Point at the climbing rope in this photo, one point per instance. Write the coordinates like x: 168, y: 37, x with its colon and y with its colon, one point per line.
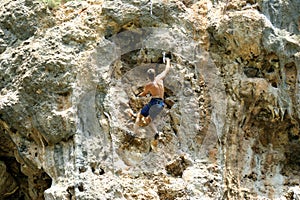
x: 151, y: 6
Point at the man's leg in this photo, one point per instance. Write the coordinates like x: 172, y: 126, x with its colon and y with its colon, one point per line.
x: 153, y: 112
x: 136, y: 124
x: 154, y: 142
x: 152, y: 125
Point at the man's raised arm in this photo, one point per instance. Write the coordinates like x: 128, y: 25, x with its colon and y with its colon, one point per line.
x: 164, y: 73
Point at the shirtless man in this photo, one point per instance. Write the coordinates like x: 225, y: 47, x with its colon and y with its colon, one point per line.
x: 156, y: 104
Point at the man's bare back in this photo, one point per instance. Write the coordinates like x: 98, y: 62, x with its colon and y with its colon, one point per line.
x: 155, y: 88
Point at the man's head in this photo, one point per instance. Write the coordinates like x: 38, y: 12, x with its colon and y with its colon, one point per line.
x: 151, y: 74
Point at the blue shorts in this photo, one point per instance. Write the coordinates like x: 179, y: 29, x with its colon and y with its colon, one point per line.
x: 153, y: 108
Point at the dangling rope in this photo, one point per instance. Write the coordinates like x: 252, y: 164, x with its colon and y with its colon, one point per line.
x: 151, y: 6
x: 111, y: 139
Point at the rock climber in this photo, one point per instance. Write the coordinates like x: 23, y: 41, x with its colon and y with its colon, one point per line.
x: 156, y: 89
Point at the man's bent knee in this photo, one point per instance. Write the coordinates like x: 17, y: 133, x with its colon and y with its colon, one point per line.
x: 144, y: 121
x: 148, y: 120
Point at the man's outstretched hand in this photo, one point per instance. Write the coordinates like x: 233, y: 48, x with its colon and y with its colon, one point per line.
x: 168, y: 60
x: 168, y: 65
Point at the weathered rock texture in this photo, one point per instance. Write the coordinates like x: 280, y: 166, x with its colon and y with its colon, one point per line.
x: 69, y: 79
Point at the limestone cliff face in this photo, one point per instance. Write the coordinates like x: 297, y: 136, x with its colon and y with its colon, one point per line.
x: 69, y: 79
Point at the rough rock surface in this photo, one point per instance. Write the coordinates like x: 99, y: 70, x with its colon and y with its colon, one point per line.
x: 69, y: 77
